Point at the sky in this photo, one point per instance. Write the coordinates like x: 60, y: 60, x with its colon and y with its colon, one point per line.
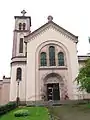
x: 73, y: 15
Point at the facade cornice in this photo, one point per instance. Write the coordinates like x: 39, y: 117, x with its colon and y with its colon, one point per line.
x: 82, y: 58
x: 18, y: 62
x: 22, y: 31
x: 18, y: 57
x: 53, y: 67
x: 5, y: 80
x: 54, y: 26
x: 22, y: 17
x: 67, y: 35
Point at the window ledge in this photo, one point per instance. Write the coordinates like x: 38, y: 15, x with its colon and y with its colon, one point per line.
x: 52, y: 67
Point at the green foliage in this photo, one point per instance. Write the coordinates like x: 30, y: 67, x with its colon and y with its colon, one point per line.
x: 21, y: 113
x: 83, y: 78
x: 36, y: 113
x: 8, y: 107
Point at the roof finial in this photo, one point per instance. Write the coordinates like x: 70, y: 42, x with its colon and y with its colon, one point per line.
x: 50, y: 18
x: 23, y: 12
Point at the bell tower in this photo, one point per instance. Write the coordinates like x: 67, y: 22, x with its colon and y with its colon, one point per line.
x: 19, y: 58
x: 22, y: 28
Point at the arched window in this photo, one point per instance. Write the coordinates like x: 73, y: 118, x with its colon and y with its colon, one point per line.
x: 43, y: 59
x: 24, y: 25
x: 52, y: 56
x: 20, y: 26
x: 21, y: 45
x: 60, y: 59
x: 19, y: 74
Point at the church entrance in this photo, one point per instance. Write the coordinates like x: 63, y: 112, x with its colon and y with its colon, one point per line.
x: 53, y: 92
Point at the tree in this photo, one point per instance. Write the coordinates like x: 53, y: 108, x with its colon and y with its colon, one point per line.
x: 83, y: 78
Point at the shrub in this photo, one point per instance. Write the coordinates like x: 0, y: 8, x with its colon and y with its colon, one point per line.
x: 6, y: 108
x: 21, y: 113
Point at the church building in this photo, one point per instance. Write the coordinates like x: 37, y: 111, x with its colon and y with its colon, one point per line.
x: 44, y: 63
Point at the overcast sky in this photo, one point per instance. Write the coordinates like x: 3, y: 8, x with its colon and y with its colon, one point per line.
x: 73, y: 15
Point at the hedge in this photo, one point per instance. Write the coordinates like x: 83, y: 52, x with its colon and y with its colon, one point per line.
x: 8, y: 107
x: 21, y: 113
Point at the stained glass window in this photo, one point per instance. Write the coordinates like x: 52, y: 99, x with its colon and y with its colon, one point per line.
x: 60, y: 59
x: 43, y: 59
x: 52, y: 56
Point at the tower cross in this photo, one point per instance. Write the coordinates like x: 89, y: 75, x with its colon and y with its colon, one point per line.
x: 23, y: 12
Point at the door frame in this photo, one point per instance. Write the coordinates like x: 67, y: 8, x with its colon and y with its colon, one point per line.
x: 52, y: 87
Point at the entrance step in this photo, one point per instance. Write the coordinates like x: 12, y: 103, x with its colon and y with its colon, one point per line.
x: 55, y: 103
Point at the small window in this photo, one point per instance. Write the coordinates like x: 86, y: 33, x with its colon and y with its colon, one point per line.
x: 21, y: 45
x: 24, y: 25
x: 20, y: 26
x: 43, y: 59
x: 60, y: 59
x: 19, y: 74
x: 52, y: 56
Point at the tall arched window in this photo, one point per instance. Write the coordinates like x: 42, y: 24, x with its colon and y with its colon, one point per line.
x: 24, y: 25
x: 20, y: 26
x: 60, y: 59
x: 21, y: 45
x: 19, y: 74
x: 43, y: 59
x: 52, y: 56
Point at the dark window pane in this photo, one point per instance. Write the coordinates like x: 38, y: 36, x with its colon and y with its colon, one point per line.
x: 43, y: 59
x: 21, y: 45
x: 20, y: 25
x: 60, y: 59
x: 24, y: 25
x: 19, y: 74
x: 52, y: 56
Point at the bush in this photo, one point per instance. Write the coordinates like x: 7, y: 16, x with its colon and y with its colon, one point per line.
x: 6, y: 108
x: 21, y: 113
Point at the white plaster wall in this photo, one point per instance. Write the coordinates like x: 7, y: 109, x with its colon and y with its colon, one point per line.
x: 13, y: 85
x: 30, y: 84
x: 5, y: 92
x: 32, y: 65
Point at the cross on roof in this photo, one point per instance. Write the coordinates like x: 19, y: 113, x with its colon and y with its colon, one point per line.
x: 23, y: 12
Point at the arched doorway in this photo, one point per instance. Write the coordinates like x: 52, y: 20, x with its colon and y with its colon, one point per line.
x: 53, y: 92
x: 53, y: 84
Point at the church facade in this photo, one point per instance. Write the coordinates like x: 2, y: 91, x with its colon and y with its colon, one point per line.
x: 44, y: 63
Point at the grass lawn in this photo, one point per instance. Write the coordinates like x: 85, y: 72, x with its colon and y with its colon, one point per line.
x: 36, y: 113
x: 74, y: 112
x: 64, y: 112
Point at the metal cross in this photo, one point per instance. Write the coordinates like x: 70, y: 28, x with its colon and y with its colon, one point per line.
x: 23, y: 12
